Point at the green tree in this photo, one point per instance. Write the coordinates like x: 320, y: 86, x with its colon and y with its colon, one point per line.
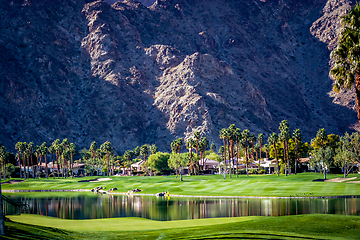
x: 158, y: 161
x: 322, y: 157
x: 178, y: 161
x: 213, y: 156
x: 346, y: 56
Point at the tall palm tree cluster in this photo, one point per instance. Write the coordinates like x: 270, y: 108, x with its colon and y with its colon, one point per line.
x: 199, y: 144
x: 237, y: 143
x: 29, y: 158
x: 98, y: 159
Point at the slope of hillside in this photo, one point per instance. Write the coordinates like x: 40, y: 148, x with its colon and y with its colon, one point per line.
x: 132, y: 74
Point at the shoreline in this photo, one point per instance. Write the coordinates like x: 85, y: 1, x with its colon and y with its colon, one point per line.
x: 188, y: 196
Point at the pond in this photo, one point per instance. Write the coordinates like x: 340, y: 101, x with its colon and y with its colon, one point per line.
x: 91, y: 206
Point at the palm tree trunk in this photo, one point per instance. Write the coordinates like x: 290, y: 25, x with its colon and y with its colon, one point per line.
x: 277, y: 162
x: 357, y: 87
x: 46, y: 167
x: 285, y: 158
x: 2, y: 222
x: 296, y: 158
x: 27, y: 166
x: 228, y: 146
x: 23, y: 158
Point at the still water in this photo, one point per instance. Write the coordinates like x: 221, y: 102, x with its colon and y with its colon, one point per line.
x: 90, y: 206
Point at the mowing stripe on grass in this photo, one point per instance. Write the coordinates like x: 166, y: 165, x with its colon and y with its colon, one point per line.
x: 120, y: 224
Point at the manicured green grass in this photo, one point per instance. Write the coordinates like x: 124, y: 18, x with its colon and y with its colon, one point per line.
x: 210, y: 185
x: 286, y: 227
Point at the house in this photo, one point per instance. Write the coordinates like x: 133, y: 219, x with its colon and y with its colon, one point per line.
x: 209, y: 164
x: 268, y: 165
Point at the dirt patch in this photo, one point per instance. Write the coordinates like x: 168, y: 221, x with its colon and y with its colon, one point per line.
x: 101, y: 180
x: 340, y: 179
x: 96, y: 180
x: 12, y: 182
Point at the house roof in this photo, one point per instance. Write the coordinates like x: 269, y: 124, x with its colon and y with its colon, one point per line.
x: 208, y: 162
x: 137, y: 164
x: 304, y: 160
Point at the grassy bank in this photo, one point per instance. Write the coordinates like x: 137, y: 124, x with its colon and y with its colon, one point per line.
x: 214, y: 185
x: 287, y: 227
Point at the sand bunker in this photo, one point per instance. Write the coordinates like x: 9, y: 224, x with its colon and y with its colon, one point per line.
x: 340, y: 179
x: 101, y: 180
x: 12, y: 182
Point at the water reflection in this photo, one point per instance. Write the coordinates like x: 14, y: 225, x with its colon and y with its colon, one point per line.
x: 109, y: 206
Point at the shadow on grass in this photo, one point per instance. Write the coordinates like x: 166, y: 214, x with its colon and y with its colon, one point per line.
x: 252, y: 236
x: 15, y: 230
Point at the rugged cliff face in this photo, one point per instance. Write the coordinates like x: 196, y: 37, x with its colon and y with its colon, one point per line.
x: 131, y: 74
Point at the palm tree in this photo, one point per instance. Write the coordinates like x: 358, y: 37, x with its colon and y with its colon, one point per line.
x: 245, y: 135
x: 29, y: 149
x: 3, y: 159
x: 298, y: 138
x: 38, y: 159
x: 179, y: 144
x: 266, y: 148
x: 204, y: 144
x: 72, y: 150
x: 44, y: 151
x: 190, y: 144
x: 2, y: 222
x: 237, y: 136
x: 260, y: 139
x: 285, y: 136
x: 153, y: 149
x: 222, y: 136
x: 57, y: 148
x: 213, y: 147
x: 272, y: 140
x: 108, y: 150
x: 197, y: 138
x: 23, y: 147
x: 65, y: 156
x: 321, y: 135
x: 52, y: 151
x: 346, y: 56
x: 18, y: 147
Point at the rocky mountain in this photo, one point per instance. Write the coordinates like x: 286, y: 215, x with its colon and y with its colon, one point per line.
x: 150, y: 72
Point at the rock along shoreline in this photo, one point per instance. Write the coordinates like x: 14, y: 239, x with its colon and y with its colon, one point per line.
x: 189, y: 196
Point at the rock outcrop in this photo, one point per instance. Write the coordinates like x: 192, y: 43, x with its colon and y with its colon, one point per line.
x: 148, y: 72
